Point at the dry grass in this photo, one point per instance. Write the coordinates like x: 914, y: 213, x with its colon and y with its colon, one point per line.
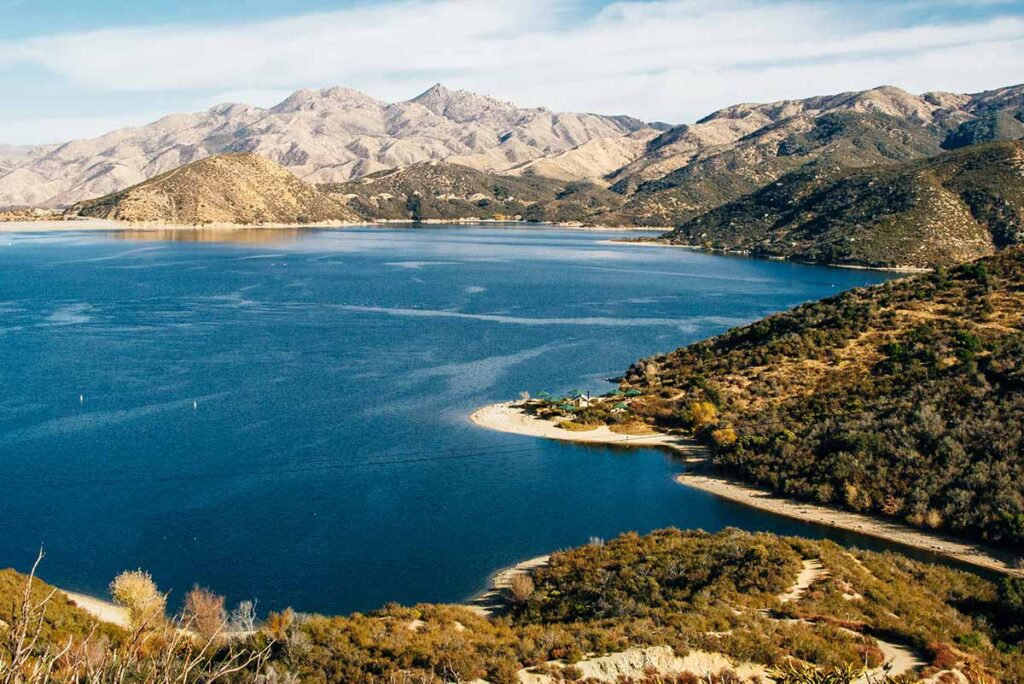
x: 573, y: 426
x: 632, y: 427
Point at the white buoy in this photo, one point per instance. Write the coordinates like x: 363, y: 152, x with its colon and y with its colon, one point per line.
x: 195, y: 405
x: 81, y: 398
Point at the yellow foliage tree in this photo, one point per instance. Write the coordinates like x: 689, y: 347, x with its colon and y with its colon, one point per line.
x: 701, y: 414
x: 136, y: 592
x: 724, y: 437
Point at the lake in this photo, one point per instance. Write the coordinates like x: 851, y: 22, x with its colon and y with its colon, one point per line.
x: 283, y: 415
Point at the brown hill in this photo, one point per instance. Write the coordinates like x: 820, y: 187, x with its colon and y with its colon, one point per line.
x: 230, y: 188
x: 905, y: 399
x: 942, y: 210
x: 440, y: 190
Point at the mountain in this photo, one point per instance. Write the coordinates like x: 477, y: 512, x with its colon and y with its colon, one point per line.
x: 12, y: 156
x: 734, y: 151
x: 230, y: 188
x: 1000, y: 125
x: 669, y: 178
x: 326, y: 135
x: 943, y: 210
x: 442, y: 190
x: 590, y: 161
x: 904, y: 399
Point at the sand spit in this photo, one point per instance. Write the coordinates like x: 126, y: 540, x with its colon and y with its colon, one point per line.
x: 506, y: 418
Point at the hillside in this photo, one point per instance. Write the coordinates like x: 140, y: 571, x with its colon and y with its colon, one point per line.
x: 734, y: 151
x: 591, y: 161
x: 944, y: 210
x: 442, y: 190
x: 680, y: 606
x: 329, y: 135
x: 902, y: 400
x: 232, y: 188
x: 1000, y: 125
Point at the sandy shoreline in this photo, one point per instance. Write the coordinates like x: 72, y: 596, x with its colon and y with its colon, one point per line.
x: 492, y: 602
x: 102, y: 610
x: 504, y: 418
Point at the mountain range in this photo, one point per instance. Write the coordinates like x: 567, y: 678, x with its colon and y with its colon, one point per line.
x: 797, y: 179
x: 327, y: 135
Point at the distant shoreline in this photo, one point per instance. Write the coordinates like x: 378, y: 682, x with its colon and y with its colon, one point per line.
x: 98, y: 225
x: 504, y: 417
x: 743, y: 253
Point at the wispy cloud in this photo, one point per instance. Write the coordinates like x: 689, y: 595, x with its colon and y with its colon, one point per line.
x: 670, y: 59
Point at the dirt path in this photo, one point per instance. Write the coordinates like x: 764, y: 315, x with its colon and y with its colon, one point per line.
x: 900, y: 658
x: 812, y: 572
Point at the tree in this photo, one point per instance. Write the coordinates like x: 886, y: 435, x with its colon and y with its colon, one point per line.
x: 1011, y: 594
x: 136, y: 592
x: 204, y: 612
x: 701, y: 414
x: 521, y: 587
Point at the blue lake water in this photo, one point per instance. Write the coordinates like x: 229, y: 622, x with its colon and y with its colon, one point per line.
x: 283, y: 416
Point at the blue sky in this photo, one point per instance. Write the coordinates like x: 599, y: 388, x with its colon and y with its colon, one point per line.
x: 81, y: 67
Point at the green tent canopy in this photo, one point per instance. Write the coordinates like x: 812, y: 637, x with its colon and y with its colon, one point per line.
x: 633, y: 393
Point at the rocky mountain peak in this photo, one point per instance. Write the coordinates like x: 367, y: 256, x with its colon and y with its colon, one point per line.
x: 308, y: 99
x: 461, y: 105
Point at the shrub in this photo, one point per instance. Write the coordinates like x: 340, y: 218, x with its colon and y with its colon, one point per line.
x: 701, y: 414
x: 573, y: 426
x: 724, y: 437
x: 204, y: 613
x: 136, y: 592
x: 521, y: 587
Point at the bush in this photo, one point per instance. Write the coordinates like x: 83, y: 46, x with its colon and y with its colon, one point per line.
x: 204, y: 613
x: 136, y: 592
x: 521, y: 587
x: 701, y: 414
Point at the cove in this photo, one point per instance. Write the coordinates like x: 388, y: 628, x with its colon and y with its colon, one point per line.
x: 283, y: 415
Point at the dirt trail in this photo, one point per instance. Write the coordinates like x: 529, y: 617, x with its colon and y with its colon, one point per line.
x: 900, y: 658
x: 812, y: 572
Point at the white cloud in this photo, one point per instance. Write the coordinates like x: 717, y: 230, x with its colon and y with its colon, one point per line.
x: 673, y: 60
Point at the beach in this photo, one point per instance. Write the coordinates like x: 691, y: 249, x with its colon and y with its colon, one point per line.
x: 505, y: 417
x: 102, y: 610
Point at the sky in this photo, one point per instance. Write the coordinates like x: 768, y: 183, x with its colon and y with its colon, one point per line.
x: 78, y: 68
